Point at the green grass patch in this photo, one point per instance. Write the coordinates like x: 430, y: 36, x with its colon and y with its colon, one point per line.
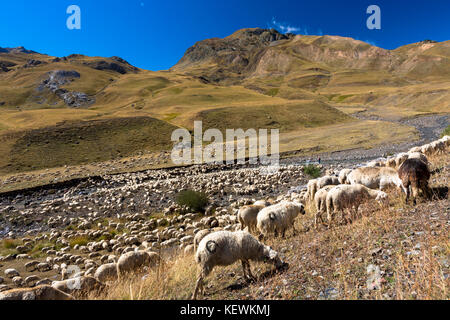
x: 171, y: 116
x: 8, y: 246
x: 196, y: 201
x: 81, y: 241
x: 312, y: 170
x: 272, y: 92
x: 343, y: 97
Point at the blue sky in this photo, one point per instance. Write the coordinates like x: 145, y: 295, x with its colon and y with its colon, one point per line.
x: 155, y: 34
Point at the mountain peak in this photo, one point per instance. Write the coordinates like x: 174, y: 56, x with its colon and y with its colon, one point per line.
x: 16, y: 50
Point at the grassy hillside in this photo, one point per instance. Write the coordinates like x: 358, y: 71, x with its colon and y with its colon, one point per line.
x: 83, y: 142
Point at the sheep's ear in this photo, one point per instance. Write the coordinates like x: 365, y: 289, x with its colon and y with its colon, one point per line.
x: 211, y: 246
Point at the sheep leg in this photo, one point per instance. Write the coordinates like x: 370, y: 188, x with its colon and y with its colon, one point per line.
x: 330, y: 218
x: 244, y: 268
x: 295, y: 230
x: 315, y: 220
x: 348, y: 219
x: 427, y: 191
x: 197, y: 287
x: 415, y: 192
x: 249, y: 272
x: 408, y: 193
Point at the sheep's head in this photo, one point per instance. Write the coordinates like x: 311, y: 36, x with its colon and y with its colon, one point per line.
x: 301, y: 207
x: 271, y: 256
x: 382, y: 197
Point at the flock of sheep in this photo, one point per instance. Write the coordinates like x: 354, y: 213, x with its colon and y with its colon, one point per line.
x: 331, y: 194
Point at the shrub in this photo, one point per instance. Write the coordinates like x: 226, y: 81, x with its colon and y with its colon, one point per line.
x: 312, y: 170
x: 10, y: 243
x: 81, y: 241
x: 196, y: 201
x: 446, y: 132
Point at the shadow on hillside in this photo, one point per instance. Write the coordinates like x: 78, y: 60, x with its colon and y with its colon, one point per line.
x: 261, y: 277
x: 439, y: 193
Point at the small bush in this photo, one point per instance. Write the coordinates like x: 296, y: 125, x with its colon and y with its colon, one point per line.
x: 272, y: 92
x: 196, y: 201
x: 81, y: 241
x: 10, y: 243
x: 446, y: 132
x: 312, y: 170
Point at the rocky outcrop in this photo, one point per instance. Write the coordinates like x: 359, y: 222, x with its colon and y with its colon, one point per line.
x: 16, y: 50
x: 33, y: 63
x: 235, y: 56
x: 57, y: 78
x: 5, y: 65
x: 117, y: 64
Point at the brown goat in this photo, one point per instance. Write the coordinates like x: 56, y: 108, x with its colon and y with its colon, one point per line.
x: 415, y: 173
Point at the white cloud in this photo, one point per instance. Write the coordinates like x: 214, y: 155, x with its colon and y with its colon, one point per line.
x: 287, y: 28
x: 283, y: 27
x: 372, y: 43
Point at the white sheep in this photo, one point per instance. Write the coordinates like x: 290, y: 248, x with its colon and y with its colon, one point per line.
x: 347, y: 196
x: 247, y: 216
x: 375, y: 178
x: 376, y: 163
x: 390, y: 162
x: 199, y: 236
x: 427, y: 149
x: 445, y: 140
x: 327, y: 181
x: 106, y: 272
x: 343, y: 175
x: 320, y: 200
x: 224, y: 248
x: 263, y: 203
x: 415, y: 149
x: 43, y: 292
x: 438, y: 146
x: 311, y: 189
x: 134, y: 261
x: 279, y: 217
x: 79, y: 285
x: 400, y: 158
x: 418, y: 155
